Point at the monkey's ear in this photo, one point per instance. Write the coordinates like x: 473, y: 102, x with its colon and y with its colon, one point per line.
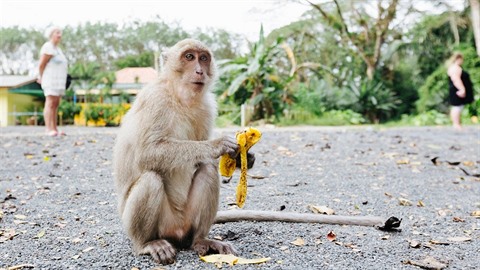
x: 164, y: 55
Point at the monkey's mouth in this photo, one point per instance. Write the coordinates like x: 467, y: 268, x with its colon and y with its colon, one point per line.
x: 199, y: 83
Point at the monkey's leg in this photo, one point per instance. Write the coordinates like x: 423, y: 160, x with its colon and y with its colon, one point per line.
x: 145, y: 206
x: 202, y: 208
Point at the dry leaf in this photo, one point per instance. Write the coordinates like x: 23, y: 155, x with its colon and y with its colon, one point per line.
x: 1, y: 214
x: 459, y: 239
x: 468, y: 163
x: 28, y: 156
x: 403, y: 161
x: 40, y: 234
x: 76, y: 240
x: 46, y: 158
x: 87, y: 249
x: 428, y: 263
x: 404, y: 202
x: 22, y: 217
x: 20, y: 266
x: 457, y: 219
x: 415, y: 244
x: 298, y: 242
x: 385, y: 237
x: 437, y: 242
x: 321, y: 209
x: 331, y: 236
x: 475, y: 214
x: 219, y: 259
x: 420, y: 204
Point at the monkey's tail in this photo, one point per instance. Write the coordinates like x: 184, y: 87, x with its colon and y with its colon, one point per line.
x: 252, y: 215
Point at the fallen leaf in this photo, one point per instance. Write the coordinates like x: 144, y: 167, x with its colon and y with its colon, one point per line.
x: 420, y: 204
x: 385, y: 237
x: 331, y: 236
x: 22, y: 217
x: 1, y: 214
x: 428, y: 263
x: 438, y: 242
x: 468, y: 163
x: 76, y: 240
x: 414, y: 244
x: 457, y: 219
x: 404, y: 202
x: 46, y: 158
x: 40, y: 234
x: 87, y: 249
x: 403, y: 162
x: 219, y: 259
x: 321, y: 209
x: 21, y: 266
x: 459, y: 239
x: 298, y: 242
x: 388, y: 195
x: 475, y: 214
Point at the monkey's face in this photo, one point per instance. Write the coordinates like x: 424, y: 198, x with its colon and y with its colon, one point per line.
x: 196, y: 73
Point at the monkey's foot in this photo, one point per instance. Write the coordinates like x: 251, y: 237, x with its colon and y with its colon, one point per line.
x: 202, y: 247
x: 161, y: 251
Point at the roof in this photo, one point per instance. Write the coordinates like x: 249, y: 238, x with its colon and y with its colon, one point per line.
x: 140, y: 75
x: 14, y: 81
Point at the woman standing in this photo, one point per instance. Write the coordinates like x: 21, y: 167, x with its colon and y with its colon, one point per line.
x: 52, y: 72
x: 460, y: 89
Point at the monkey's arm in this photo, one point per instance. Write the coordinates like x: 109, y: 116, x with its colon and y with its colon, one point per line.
x: 171, y: 153
x: 251, y: 215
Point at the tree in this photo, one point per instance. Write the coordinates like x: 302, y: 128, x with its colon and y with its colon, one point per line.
x: 475, y: 13
x: 254, y: 78
x: 372, y: 32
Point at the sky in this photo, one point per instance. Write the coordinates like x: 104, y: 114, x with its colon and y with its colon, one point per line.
x: 237, y: 16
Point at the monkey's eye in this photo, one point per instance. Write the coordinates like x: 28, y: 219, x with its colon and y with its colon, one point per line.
x: 189, y: 56
x: 203, y: 58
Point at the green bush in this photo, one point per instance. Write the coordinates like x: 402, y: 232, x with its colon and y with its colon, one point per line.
x: 68, y: 110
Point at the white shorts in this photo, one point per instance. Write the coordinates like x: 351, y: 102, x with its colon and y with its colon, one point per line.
x: 458, y: 108
x: 54, y: 92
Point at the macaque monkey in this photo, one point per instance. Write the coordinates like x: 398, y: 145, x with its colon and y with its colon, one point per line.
x: 165, y: 163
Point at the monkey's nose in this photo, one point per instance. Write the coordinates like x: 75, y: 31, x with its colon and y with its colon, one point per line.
x: 199, y: 72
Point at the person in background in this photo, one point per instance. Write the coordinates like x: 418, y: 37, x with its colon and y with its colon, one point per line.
x: 52, y: 76
x: 460, y: 88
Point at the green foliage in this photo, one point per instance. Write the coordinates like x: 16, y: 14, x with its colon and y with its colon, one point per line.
x: 68, y: 110
x: 373, y: 99
x: 110, y: 113
x: 145, y: 59
x: 428, y: 118
x: 300, y: 116
x: 254, y: 79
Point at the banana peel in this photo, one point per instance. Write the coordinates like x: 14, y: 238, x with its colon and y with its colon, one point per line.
x: 227, y: 165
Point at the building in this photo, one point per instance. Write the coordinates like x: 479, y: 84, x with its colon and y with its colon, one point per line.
x: 21, y: 97
x: 128, y: 81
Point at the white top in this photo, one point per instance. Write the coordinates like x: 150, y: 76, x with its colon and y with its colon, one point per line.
x: 54, y: 76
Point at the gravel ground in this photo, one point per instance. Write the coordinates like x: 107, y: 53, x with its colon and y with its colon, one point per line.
x: 58, y: 204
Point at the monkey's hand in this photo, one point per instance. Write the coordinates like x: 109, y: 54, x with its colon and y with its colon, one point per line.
x: 225, y: 146
x: 250, y: 160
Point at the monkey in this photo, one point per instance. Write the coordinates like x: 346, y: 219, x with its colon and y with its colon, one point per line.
x: 165, y: 162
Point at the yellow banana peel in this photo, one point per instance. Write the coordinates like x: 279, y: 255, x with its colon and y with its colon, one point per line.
x: 245, y: 140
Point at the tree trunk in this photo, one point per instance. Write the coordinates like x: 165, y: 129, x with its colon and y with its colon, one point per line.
x: 475, y: 9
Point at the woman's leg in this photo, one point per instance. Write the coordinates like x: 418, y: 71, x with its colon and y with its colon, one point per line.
x: 455, y: 115
x: 50, y: 114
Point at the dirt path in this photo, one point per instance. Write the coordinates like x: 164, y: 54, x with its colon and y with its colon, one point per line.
x: 58, y: 205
